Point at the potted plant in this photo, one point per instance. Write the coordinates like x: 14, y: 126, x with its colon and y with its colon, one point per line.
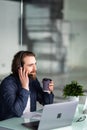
x: 73, y: 89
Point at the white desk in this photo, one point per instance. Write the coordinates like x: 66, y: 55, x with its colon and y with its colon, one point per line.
x: 15, y: 124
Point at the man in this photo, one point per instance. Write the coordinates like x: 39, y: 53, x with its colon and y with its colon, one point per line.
x: 20, y: 91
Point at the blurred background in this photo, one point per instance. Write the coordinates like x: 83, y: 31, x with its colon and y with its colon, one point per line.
x: 55, y: 30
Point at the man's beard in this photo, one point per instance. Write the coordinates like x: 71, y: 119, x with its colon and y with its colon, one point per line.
x: 32, y: 75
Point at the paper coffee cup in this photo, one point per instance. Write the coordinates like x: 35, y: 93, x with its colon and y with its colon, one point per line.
x: 46, y: 82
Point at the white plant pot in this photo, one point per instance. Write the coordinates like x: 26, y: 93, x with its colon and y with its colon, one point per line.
x: 72, y: 98
x: 82, y: 99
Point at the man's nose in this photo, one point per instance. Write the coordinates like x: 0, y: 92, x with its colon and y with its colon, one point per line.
x: 34, y: 67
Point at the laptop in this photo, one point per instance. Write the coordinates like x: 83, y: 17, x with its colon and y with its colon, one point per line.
x: 54, y: 116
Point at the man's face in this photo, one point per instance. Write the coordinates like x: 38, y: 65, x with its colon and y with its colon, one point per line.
x: 30, y: 66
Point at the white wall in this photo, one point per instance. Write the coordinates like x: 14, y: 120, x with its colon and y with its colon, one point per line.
x: 78, y: 44
x: 75, y: 11
x: 9, y: 14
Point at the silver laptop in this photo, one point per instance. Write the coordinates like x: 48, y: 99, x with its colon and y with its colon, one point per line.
x: 55, y: 116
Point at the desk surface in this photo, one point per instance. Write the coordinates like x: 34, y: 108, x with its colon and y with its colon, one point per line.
x: 15, y: 124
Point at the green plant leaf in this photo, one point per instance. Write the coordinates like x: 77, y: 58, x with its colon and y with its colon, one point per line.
x: 73, y: 89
